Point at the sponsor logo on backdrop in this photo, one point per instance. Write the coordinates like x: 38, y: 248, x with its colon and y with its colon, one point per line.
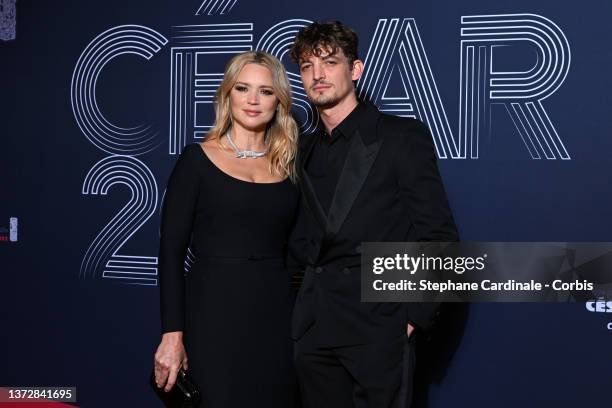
x: 9, y: 234
x: 398, y: 78
x: 600, y: 306
x: 8, y: 19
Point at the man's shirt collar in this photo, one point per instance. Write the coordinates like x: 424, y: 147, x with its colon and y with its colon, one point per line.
x: 346, y: 128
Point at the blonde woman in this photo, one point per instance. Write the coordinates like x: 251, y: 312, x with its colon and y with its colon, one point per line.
x: 233, y: 199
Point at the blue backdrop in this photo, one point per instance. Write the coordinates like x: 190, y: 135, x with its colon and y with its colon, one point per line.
x: 98, y: 98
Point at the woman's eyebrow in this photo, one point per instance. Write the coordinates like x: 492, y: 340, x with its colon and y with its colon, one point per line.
x: 248, y: 84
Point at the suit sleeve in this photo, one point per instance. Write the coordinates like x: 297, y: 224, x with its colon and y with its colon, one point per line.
x: 178, y: 212
x: 422, y: 194
x: 297, y: 242
x: 421, y: 189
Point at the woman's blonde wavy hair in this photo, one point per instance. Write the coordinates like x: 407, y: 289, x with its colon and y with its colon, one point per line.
x: 282, y: 131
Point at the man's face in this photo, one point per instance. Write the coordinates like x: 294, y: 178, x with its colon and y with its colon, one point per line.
x: 328, y: 78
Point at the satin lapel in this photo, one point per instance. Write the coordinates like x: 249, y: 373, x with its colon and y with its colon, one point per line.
x: 312, y: 202
x: 359, y: 160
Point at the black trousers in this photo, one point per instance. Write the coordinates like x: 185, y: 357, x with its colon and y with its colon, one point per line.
x: 375, y: 375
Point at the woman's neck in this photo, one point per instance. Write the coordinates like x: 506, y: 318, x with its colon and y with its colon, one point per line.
x: 247, y: 139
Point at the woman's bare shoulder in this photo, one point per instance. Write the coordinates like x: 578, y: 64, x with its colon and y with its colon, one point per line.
x: 211, y: 144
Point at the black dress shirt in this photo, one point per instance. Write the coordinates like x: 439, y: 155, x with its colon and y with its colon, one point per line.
x: 329, y: 154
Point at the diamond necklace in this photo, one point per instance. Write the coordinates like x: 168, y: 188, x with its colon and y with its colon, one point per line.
x: 243, y: 154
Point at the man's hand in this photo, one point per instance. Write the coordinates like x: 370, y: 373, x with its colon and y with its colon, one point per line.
x: 409, y: 329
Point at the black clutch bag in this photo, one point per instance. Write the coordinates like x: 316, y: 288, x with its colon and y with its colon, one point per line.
x: 184, y: 394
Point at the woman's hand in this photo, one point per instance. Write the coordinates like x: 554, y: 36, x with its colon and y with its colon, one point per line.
x: 169, y: 358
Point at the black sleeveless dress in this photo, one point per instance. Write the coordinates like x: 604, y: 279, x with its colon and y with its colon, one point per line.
x: 235, y: 303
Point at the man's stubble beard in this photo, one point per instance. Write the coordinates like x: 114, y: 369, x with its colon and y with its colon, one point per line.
x: 323, y: 102
x: 326, y: 102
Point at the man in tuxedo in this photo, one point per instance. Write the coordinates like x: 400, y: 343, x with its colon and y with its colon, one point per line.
x: 365, y: 177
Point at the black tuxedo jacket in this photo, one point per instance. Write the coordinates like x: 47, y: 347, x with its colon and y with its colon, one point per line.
x: 388, y: 191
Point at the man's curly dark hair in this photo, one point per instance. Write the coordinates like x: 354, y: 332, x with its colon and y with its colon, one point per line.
x: 322, y: 37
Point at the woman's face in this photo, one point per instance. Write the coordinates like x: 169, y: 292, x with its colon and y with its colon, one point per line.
x: 252, y: 99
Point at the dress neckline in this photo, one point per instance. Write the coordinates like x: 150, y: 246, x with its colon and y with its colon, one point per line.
x: 201, y: 149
